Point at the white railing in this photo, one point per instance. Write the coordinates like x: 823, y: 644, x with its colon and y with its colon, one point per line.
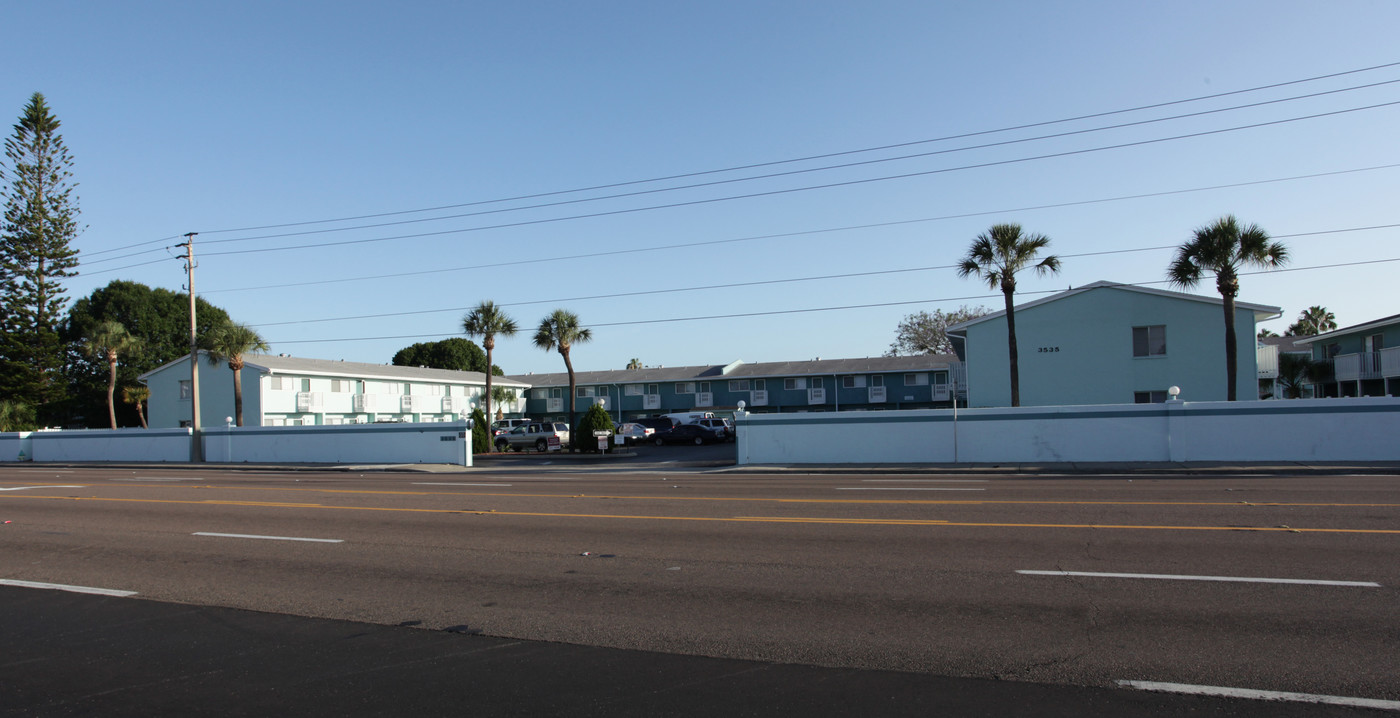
x: 409, y: 402
x: 651, y: 401
x: 704, y: 398
x: 758, y: 397
x: 941, y: 392
x: 1267, y: 359
x: 1390, y: 361
x: 816, y: 396
x: 309, y: 400
x: 554, y: 404
x: 449, y: 404
x: 365, y: 403
x: 877, y: 395
x: 1354, y: 367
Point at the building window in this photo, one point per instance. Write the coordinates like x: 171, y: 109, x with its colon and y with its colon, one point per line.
x: 277, y: 384
x: 738, y: 384
x: 704, y: 387
x: 602, y: 391
x: 853, y: 382
x: 306, y: 385
x: 794, y: 384
x: 920, y: 379
x: 340, y: 386
x: 877, y: 380
x: 1149, y: 397
x: 1150, y: 341
x: 583, y: 392
x: 816, y: 382
x: 633, y: 390
x: 685, y: 388
x: 653, y: 389
x: 759, y: 385
x: 185, y: 389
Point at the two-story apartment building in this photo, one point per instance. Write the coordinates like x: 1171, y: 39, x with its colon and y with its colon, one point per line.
x: 1108, y: 343
x: 1360, y: 360
x: 280, y: 390
x: 868, y: 384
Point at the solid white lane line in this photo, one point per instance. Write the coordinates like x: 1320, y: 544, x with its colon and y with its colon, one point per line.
x: 1261, y: 695
x: 432, y: 483
x: 902, y: 488
x: 70, y: 589
x: 1172, y: 577
x: 52, y: 486
x: 154, y: 478
x: 927, y: 481
x: 269, y: 538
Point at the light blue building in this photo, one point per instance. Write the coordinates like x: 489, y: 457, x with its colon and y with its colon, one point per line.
x: 869, y: 384
x: 1360, y: 360
x: 1107, y: 343
x: 296, y: 391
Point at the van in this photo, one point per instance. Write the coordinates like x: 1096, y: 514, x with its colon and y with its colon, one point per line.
x: 689, y: 417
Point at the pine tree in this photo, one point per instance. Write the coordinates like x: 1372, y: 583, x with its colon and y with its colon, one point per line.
x: 41, y: 218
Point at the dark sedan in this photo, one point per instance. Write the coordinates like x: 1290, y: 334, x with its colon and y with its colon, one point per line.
x: 685, y: 434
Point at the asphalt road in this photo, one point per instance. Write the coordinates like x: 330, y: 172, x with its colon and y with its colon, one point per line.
x: 1067, y: 581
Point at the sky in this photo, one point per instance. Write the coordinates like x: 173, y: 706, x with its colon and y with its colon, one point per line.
x: 705, y: 182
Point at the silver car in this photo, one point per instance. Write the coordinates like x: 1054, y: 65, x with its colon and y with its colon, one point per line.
x: 535, y: 435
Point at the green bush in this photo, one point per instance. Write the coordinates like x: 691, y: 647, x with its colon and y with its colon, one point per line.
x: 595, y: 419
x: 481, y: 433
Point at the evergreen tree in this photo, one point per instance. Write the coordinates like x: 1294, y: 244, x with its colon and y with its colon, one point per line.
x: 41, y: 218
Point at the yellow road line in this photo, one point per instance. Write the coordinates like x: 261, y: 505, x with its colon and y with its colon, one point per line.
x: 920, y: 502
x: 733, y: 519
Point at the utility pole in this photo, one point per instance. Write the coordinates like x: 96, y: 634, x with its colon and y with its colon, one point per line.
x: 196, y: 440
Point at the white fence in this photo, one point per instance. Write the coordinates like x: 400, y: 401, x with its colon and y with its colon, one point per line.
x: 1356, y: 429
x: 437, y: 443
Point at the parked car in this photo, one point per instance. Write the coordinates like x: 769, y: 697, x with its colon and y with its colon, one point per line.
x: 723, y: 428
x: 659, y: 423
x: 633, y: 433
x: 505, y: 425
x: 685, y: 434
x: 534, y: 435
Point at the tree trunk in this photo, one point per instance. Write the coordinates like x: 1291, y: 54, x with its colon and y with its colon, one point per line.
x: 1231, y: 360
x: 112, y: 389
x: 1011, y: 353
x: 238, y: 397
x: 141, y: 414
x: 490, y: 343
x: 570, y: 366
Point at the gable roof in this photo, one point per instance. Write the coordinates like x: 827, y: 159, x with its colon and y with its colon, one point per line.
x: 1287, y: 344
x: 1377, y: 324
x: 278, y: 364
x: 745, y: 370
x: 1261, y: 311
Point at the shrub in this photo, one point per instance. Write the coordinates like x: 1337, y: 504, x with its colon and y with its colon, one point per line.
x: 595, y: 419
x: 481, y: 433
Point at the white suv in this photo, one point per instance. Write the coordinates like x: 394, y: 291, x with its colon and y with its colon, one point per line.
x: 721, y: 427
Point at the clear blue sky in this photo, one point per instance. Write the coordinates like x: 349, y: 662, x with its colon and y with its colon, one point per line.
x: 219, y: 116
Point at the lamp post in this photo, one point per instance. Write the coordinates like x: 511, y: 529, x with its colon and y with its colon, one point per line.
x: 954, y: 376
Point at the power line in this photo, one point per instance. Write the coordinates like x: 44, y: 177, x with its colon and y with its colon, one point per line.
x: 131, y: 246
x: 818, y: 156
x: 800, y: 233
x: 809, y: 170
x: 874, y: 305
x: 812, y: 187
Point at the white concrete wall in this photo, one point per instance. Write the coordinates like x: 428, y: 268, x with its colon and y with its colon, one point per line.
x: 1361, y: 429
x: 16, y: 446
x: 112, y: 445
x: 435, y: 443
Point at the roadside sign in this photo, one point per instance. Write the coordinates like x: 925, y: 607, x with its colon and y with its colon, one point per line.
x: 554, y: 444
x: 603, y: 443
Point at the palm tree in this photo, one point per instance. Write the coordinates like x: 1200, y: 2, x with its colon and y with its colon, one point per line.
x: 1223, y: 248
x: 106, y: 341
x: 16, y: 416
x: 561, y: 331
x: 1313, y: 321
x: 502, y: 395
x: 137, y: 395
x: 634, y: 364
x: 229, y: 343
x: 996, y: 256
x: 1295, y: 372
x: 486, y: 321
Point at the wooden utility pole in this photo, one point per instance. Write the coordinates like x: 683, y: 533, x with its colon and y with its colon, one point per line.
x: 196, y: 439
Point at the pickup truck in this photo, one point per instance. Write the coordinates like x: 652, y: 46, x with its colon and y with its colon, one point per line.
x: 534, y: 435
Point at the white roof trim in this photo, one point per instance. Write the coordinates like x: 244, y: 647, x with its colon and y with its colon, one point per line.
x: 1261, y: 311
x: 1386, y: 321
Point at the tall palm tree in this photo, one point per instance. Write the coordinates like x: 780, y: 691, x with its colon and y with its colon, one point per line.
x: 1312, y: 321
x: 1223, y: 248
x: 561, y: 331
x: 107, y: 341
x: 634, y: 364
x: 229, y: 342
x: 486, y: 321
x: 996, y: 256
x: 137, y: 395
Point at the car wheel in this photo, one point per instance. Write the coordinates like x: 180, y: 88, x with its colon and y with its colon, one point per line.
x: 699, y: 440
x: 541, y: 445
x: 502, y: 446
x: 660, y: 442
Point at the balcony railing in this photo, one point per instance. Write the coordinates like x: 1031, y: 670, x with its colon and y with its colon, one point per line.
x: 758, y: 397
x: 704, y: 398
x: 877, y: 395
x: 816, y: 396
x: 651, y: 401
x: 1390, y: 361
x: 554, y: 404
x: 1267, y: 359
